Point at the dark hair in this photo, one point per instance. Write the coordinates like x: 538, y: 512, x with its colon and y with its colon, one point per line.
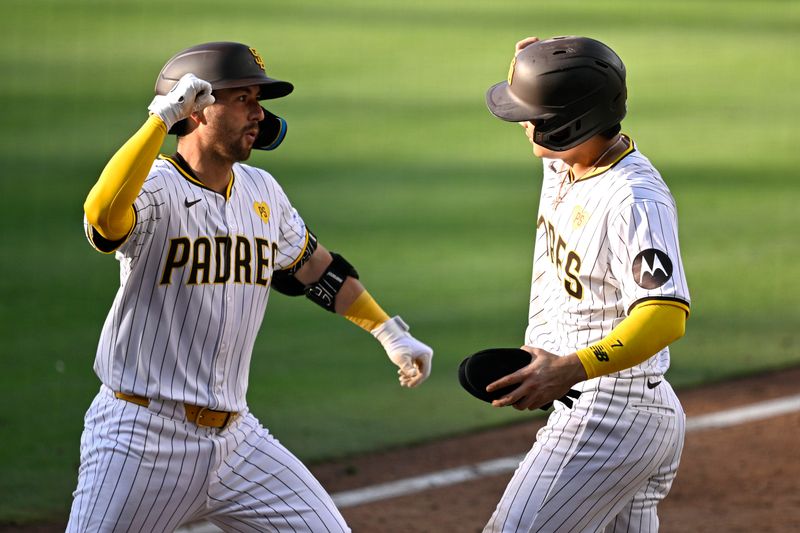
x: 612, y: 131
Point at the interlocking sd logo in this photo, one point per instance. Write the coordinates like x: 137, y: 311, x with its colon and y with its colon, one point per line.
x: 651, y: 268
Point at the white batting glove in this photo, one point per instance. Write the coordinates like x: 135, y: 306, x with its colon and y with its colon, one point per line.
x: 190, y: 94
x: 412, y: 356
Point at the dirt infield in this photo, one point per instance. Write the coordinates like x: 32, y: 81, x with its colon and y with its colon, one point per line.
x: 742, y: 478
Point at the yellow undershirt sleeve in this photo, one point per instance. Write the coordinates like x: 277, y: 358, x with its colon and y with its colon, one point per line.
x: 650, y: 327
x: 365, y: 312
x: 109, y: 206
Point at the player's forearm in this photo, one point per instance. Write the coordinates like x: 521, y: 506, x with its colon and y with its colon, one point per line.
x: 109, y: 206
x: 363, y: 310
x: 352, y: 300
x: 648, y: 329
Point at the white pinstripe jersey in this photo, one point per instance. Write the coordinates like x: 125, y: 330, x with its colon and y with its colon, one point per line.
x: 195, y: 273
x: 609, y: 243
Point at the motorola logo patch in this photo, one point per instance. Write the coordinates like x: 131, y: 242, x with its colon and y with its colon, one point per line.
x: 651, y: 268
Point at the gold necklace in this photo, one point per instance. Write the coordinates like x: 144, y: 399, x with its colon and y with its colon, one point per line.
x: 559, y: 195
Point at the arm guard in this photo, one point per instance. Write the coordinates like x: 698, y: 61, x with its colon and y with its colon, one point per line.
x: 323, y: 292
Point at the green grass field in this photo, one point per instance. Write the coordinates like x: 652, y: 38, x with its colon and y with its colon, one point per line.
x: 393, y: 159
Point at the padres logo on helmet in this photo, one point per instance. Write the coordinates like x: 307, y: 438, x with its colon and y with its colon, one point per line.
x: 257, y: 57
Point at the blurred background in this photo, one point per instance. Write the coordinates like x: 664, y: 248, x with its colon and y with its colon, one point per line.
x: 393, y: 160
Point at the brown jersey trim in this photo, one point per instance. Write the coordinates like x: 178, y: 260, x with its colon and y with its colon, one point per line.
x: 664, y: 300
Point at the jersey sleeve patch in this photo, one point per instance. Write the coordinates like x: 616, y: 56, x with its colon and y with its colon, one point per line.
x: 651, y: 268
x: 645, y: 253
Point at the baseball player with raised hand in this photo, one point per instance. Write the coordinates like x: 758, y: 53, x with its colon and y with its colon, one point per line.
x: 201, y: 238
x: 608, y: 295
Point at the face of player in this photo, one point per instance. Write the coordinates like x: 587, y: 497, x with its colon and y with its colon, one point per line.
x: 232, y: 122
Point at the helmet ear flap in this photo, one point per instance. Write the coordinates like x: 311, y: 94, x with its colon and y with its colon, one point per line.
x: 179, y: 128
x: 271, y: 132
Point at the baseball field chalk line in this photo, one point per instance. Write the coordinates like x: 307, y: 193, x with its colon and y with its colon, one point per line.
x: 452, y: 476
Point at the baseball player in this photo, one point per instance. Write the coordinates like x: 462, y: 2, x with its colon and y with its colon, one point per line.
x: 201, y: 238
x: 608, y: 295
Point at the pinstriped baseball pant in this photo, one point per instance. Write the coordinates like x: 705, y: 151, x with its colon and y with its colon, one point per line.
x: 602, y: 465
x: 147, y: 469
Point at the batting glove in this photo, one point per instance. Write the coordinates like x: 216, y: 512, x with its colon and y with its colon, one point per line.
x: 190, y: 94
x: 410, y: 355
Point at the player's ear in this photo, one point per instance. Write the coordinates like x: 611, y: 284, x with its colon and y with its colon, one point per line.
x: 197, y: 118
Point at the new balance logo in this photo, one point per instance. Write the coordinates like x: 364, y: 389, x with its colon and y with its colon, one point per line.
x: 600, y: 353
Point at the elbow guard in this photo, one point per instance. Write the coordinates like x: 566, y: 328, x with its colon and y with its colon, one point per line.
x: 324, y: 291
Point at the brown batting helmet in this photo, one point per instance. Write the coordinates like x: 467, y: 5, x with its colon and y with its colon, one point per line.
x: 226, y: 65
x: 571, y: 88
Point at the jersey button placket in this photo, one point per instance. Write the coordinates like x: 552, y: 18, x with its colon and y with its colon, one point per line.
x: 229, y: 315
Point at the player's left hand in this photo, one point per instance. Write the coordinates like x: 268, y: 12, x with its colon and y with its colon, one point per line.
x: 545, y: 379
x: 411, y: 356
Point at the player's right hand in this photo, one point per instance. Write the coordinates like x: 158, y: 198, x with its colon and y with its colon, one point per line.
x: 523, y: 43
x: 189, y: 95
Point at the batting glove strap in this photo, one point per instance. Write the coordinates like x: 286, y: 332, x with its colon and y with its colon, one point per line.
x: 190, y: 94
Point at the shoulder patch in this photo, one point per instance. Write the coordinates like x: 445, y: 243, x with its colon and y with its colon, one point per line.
x: 651, y: 268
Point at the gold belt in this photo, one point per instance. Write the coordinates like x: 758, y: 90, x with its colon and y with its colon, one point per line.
x: 202, y: 416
